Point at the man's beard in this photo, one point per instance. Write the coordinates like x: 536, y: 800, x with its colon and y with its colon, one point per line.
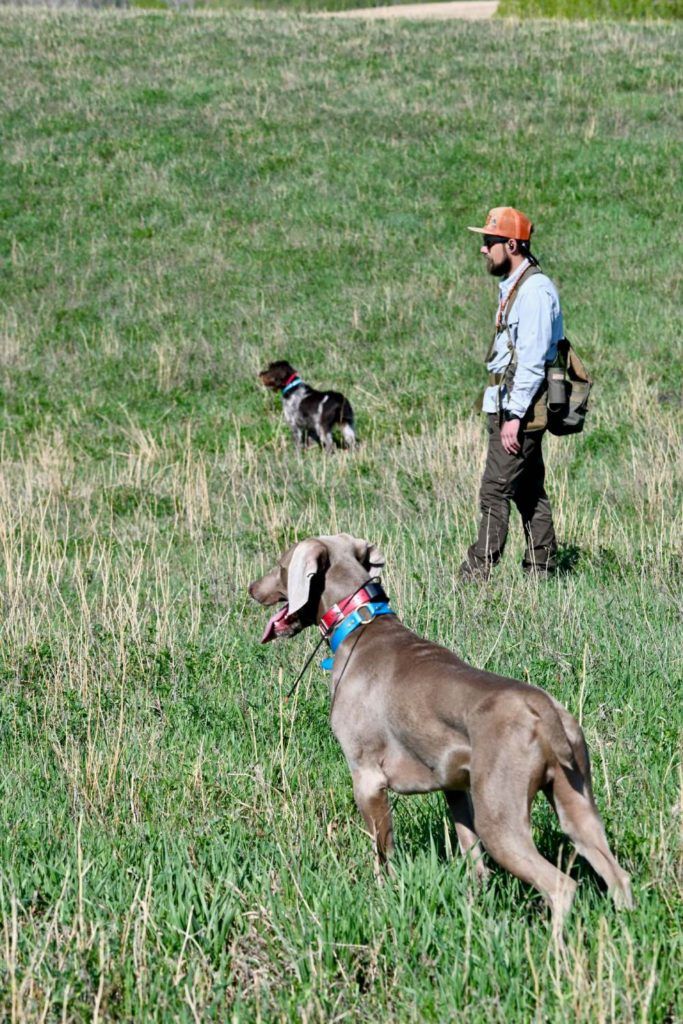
x: 501, y: 269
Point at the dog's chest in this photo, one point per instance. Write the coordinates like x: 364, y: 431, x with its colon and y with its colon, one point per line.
x: 291, y: 407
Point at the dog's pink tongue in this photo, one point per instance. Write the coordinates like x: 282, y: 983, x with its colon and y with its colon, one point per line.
x: 276, y: 624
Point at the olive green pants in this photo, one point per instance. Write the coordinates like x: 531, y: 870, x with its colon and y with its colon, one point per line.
x: 519, y: 478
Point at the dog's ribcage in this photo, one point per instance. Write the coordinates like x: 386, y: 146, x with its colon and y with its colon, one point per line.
x: 305, y: 408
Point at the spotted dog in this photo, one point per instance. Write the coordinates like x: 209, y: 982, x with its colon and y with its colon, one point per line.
x: 311, y: 414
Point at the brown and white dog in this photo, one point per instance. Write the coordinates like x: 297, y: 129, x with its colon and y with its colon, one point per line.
x: 311, y: 414
x: 413, y: 718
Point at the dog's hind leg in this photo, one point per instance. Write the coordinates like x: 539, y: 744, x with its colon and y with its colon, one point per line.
x: 348, y: 434
x: 579, y: 818
x: 501, y: 817
x: 346, y: 424
x: 461, y: 813
x: 370, y: 793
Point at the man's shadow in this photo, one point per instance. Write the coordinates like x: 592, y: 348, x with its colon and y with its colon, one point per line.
x: 427, y: 831
x: 568, y: 557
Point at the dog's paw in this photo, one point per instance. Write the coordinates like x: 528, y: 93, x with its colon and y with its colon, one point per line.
x: 623, y: 897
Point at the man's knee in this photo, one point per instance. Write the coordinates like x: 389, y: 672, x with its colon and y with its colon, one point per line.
x: 496, y: 491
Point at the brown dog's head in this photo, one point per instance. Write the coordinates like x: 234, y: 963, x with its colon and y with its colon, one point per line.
x: 276, y: 375
x: 311, y: 577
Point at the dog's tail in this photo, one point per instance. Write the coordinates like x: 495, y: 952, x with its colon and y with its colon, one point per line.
x: 346, y: 424
x: 346, y: 413
x: 551, y: 731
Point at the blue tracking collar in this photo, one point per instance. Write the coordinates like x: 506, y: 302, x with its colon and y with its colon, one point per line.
x: 290, y: 387
x: 361, y: 617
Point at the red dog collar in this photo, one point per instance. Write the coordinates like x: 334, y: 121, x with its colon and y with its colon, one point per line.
x: 333, y: 616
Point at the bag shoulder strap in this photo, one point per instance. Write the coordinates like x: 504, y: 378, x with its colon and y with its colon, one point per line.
x: 573, y: 365
x: 512, y: 297
x: 511, y: 367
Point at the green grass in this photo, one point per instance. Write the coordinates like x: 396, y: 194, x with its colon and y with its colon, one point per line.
x: 183, y: 199
x: 617, y: 9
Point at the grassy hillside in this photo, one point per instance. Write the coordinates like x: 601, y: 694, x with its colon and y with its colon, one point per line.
x: 183, y: 199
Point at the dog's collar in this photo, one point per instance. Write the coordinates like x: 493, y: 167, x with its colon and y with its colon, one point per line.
x: 291, y: 383
x: 357, y: 610
x: 369, y: 592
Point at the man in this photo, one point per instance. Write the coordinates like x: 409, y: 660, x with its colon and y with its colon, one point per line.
x: 528, y: 328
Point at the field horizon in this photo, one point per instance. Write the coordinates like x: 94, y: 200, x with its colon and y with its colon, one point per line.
x: 184, y: 198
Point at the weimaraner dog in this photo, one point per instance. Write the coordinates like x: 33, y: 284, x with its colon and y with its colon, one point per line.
x: 411, y: 717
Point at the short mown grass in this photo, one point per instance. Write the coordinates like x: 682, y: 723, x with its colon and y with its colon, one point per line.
x: 183, y: 199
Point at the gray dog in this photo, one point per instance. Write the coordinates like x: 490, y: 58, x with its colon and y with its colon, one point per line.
x: 411, y: 717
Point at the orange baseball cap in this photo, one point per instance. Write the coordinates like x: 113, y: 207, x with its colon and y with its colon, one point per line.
x: 506, y: 222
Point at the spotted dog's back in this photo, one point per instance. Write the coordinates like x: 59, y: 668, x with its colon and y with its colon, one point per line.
x: 310, y: 413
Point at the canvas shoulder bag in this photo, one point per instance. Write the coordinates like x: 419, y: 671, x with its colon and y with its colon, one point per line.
x: 569, y: 387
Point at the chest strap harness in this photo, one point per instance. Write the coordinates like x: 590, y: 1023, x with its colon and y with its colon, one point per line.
x: 291, y: 383
x: 346, y: 616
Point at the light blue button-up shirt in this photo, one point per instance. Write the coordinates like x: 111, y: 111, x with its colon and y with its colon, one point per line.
x: 535, y: 327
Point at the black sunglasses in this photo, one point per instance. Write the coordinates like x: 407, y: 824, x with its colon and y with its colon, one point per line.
x: 491, y: 240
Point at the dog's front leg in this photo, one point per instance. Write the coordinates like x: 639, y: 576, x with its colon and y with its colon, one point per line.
x: 370, y: 792
x: 299, y: 435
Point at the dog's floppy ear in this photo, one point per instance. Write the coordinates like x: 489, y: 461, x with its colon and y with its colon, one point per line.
x: 306, y: 562
x: 369, y: 554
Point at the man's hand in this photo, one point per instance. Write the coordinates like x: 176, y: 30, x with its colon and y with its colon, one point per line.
x: 509, y: 437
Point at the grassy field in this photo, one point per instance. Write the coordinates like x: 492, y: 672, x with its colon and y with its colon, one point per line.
x: 183, y: 199
x: 574, y: 9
